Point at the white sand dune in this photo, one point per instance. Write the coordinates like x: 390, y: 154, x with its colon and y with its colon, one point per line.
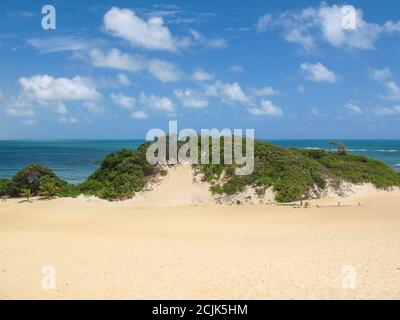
x: 180, y: 187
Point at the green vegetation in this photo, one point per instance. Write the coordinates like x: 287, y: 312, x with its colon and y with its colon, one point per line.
x: 41, y: 181
x: 121, y: 175
x: 293, y: 174
x: 341, y: 148
x: 48, y: 189
x: 4, y: 187
x: 26, y: 193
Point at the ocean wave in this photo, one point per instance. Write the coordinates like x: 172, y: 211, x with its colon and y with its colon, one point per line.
x: 356, y: 150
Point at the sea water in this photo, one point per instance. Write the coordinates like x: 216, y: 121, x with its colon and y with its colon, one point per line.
x: 75, y: 160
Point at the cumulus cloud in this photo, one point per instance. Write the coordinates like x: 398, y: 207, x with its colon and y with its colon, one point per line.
x: 383, y: 76
x: 153, y: 34
x: 92, y: 106
x: 123, y: 101
x: 201, y: 75
x: 393, y: 91
x: 19, y: 112
x: 150, y: 34
x: 379, y: 74
x: 264, y: 92
x: 266, y: 108
x: 191, y: 99
x: 60, y: 108
x: 318, y: 73
x: 264, y: 22
x: 139, y: 115
x: 227, y: 92
x: 158, y: 103
x: 164, y: 71
x: 123, y: 80
x: 386, y: 111
x: 48, y: 88
x: 115, y: 59
x: 236, y: 68
x: 353, y: 108
x: 327, y: 23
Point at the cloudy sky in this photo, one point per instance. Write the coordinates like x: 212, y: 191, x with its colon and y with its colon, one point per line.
x: 115, y: 69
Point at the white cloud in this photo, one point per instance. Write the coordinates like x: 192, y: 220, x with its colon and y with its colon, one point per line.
x: 392, y: 27
x: 150, y: 34
x: 57, y: 44
x: 115, y: 59
x: 68, y: 120
x: 19, y: 112
x: 236, y: 68
x: 380, y: 75
x: 93, y: 107
x: 123, y: 101
x: 383, y: 76
x: 191, y: 99
x: 201, y: 75
x: 393, y: 91
x: 164, y: 71
x: 385, y: 111
x: 266, y: 108
x: 60, y: 108
x: 300, y: 88
x: 353, y: 108
x: 264, y: 22
x: 318, y: 73
x: 20, y: 106
x: 123, y: 80
x: 139, y: 115
x: 47, y: 88
x: 264, y: 92
x: 325, y: 23
x: 158, y: 103
x: 215, y: 43
x: 227, y: 92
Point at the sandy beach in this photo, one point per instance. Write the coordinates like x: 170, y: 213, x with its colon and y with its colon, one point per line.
x: 131, y: 250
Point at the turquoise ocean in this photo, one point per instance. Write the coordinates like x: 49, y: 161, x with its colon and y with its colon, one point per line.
x: 75, y: 160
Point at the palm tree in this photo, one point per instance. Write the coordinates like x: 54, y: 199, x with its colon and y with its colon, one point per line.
x: 27, y: 193
x: 48, y: 189
x: 341, y: 148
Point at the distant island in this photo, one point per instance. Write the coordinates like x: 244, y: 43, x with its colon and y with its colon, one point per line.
x: 292, y: 174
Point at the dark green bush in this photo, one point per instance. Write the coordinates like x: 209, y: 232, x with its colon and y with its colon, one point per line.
x: 121, y: 175
x: 4, y: 187
x: 30, y: 178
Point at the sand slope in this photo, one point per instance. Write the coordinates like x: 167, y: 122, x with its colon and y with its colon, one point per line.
x: 117, y: 251
x: 180, y: 187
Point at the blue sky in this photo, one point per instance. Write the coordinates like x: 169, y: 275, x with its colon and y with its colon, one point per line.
x: 115, y: 69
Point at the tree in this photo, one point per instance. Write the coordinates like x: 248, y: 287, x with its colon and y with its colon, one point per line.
x: 4, y: 187
x: 341, y: 148
x: 48, y: 189
x: 27, y: 193
x: 31, y: 177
